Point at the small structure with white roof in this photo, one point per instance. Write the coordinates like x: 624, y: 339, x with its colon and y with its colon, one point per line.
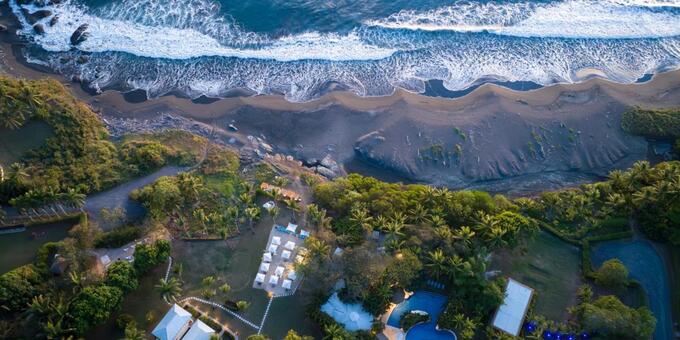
x: 291, y: 228
x: 199, y: 331
x: 264, y: 267
x: 273, y: 280
x: 273, y: 248
x: 267, y: 257
x: 290, y: 245
x: 287, y: 284
x: 276, y: 240
x: 510, y: 314
x: 286, y: 255
x: 173, y: 325
x: 292, y: 275
x: 304, y: 234
x: 259, y: 278
x: 279, y: 271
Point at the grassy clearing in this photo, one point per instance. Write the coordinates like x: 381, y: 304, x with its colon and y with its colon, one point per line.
x: 15, y: 143
x: 548, y: 265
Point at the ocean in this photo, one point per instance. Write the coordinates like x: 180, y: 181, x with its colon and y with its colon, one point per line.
x: 305, y: 48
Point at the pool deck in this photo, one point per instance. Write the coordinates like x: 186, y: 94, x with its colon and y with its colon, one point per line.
x: 390, y: 332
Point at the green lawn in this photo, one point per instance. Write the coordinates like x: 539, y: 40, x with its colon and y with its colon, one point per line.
x: 548, y: 265
x: 14, y: 143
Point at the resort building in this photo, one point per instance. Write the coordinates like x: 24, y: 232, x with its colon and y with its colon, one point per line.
x: 511, y: 313
x: 285, y: 193
x: 178, y: 324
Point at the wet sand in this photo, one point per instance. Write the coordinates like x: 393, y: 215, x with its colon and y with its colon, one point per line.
x: 493, y: 138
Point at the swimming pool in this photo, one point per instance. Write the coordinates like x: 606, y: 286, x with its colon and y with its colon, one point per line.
x: 433, y: 304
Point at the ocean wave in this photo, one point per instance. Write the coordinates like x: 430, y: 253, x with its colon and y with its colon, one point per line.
x: 615, y: 19
x: 109, y: 35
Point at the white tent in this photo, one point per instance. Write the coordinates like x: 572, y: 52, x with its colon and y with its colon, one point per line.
x: 290, y: 245
x: 292, y: 228
x: 259, y: 278
x: 286, y: 255
x: 304, y: 233
x: 510, y: 314
x: 267, y: 257
x: 279, y: 271
x: 199, y: 331
x: 287, y: 284
x: 175, y: 321
x: 273, y: 280
x: 292, y: 275
x: 264, y: 267
x: 273, y: 248
x: 276, y: 240
x: 269, y: 205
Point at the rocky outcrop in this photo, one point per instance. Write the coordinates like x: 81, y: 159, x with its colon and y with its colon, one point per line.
x: 80, y: 35
x: 39, y: 28
x: 3, y: 28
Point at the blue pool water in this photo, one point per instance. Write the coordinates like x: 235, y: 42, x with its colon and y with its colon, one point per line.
x: 431, y: 303
x: 646, y: 266
x: 304, y: 48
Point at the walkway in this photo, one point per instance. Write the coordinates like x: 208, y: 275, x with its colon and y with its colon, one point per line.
x: 214, y: 304
x: 266, y: 313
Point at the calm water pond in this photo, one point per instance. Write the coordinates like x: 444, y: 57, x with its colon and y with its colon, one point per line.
x: 18, y: 249
x: 646, y: 266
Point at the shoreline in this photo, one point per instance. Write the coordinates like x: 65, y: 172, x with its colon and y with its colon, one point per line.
x: 574, y: 128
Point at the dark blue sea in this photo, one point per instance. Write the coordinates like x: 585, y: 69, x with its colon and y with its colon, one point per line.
x: 304, y: 48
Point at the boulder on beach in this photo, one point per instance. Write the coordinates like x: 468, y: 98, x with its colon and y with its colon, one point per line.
x: 3, y: 28
x: 80, y: 34
x: 39, y: 28
x: 54, y: 20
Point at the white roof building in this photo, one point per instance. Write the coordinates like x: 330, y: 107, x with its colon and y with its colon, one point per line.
x: 287, y: 284
x: 279, y: 271
x: 273, y: 248
x: 199, y: 331
x: 267, y: 257
x: 273, y: 280
x: 510, y: 314
x: 173, y: 325
x: 292, y: 275
x: 290, y: 245
x: 105, y: 260
x: 259, y: 278
x: 292, y: 228
x: 276, y: 240
x: 286, y: 255
x: 264, y: 267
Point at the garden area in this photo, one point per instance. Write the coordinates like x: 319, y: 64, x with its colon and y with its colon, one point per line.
x: 548, y: 265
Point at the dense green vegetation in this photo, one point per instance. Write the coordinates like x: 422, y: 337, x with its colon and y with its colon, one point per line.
x: 78, y: 157
x: 76, y: 300
x: 411, y: 319
x: 652, y: 123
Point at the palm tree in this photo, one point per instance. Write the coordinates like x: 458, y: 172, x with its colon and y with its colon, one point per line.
x: 74, y: 199
x: 55, y: 329
x: 437, y: 263
x: 77, y: 280
x: 169, y: 289
x: 464, y: 235
x: 436, y: 221
x: 394, y: 230
x: 318, y: 249
x: 485, y: 222
x: 334, y: 332
x: 253, y: 214
x: 30, y: 97
x: 12, y: 119
x: 360, y: 216
x: 495, y: 237
x: 273, y: 212
x: 418, y: 214
x: 18, y: 173
x: 245, y: 198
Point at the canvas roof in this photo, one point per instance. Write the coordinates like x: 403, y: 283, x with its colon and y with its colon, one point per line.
x: 199, y: 331
x: 274, y: 280
x: 292, y: 275
x: 273, y: 248
x: 279, y: 271
x: 267, y: 257
x: 276, y: 240
x: 291, y: 227
x: 264, y: 267
x: 510, y: 314
x: 287, y: 284
x: 285, y: 254
x: 304, y: 233
x: 172, y: 323
x: 290, y: 245
x: 259, y: 278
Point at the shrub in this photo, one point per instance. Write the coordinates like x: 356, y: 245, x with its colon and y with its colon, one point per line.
x: 612, y: 274
x: 121, y: 274
x: 652, y: 123
x: 411, y: 319
x: 211, y: 323
x: 123, y: 320
x: 118, y: 237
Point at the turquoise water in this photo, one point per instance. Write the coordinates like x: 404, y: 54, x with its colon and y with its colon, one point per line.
x: 646, y: 266
x: 429, y: 302
x: 304, y: 48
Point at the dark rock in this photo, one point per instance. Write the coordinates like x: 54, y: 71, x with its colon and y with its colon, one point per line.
x: 82, y: 59
x: 54, y: 20
x: 77, y: 79
x: 39, y: 28
x: 326, y: 172
x: 80, y: 35
x: 3, y: 28
x: 42, y: 13
x: 330, y: 163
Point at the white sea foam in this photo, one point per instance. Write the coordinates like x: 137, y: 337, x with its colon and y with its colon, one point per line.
x: 614, y: 19
x: 108, y: 35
